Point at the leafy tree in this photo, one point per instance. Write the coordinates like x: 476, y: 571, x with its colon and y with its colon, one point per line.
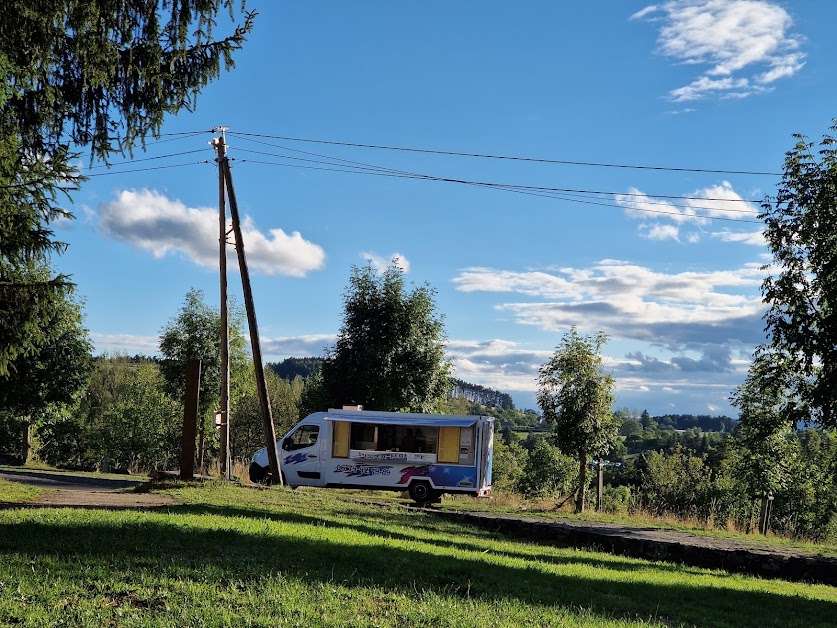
x: 100, y: 74
x: 576, y: 397
x: 195, y: 333
x: 802, y: 296
x: 139, y: 428
x: 764, y: 434
x: 50, y: 375
x: 389, y: 353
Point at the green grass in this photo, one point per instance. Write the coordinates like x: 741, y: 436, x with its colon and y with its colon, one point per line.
x: 15, y: 492
x: 236, y: 556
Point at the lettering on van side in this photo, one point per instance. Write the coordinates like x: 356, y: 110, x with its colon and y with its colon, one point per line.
x: 385, y: 455
x: 361, y: 470
x: 296, y: 458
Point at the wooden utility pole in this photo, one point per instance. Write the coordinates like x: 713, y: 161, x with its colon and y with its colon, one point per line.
x: 225, y: 323
x: 258, y: 365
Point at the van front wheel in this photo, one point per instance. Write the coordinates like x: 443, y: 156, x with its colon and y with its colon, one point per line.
x: 258, y: 473
x: 421, y: 492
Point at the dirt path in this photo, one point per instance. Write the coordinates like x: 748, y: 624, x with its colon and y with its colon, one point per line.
x: 77, y: 490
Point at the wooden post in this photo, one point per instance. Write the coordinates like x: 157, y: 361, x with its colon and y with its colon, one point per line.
x: 766, y: 511
x: 226, y: 470
x: 255, y: 345
x: 600, y: 492
x: 190, y: 419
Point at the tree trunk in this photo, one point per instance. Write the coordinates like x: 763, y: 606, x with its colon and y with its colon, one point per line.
x: 582, y: 482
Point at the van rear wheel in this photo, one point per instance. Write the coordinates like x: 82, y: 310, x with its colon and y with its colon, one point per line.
x: 422, y: 492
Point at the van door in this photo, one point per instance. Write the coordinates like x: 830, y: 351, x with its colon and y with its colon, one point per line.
x: 301, y: 462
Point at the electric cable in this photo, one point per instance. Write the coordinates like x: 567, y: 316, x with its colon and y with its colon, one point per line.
x: 505, y: 157
x: 499, y: 187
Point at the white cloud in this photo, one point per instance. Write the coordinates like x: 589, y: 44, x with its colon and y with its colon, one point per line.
x: 736, y: 39
x: 633, y: 302
x: 643, y: 12
x: 755, y: 238
x: 380, y: 263
x: 296, y: 346
x: 125, y: 343
x: 660, y: 232
x: 715, y: 201
x: 150, y: 221
x: 498, y: 364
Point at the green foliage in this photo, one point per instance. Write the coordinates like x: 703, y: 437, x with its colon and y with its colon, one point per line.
x: 195, y: 333
x: 802, y: 295
x: 289, y: 368
x: 51, y: 375
x: 141, y: 430
x: 616, y: 499
x: 507, y: 467
x: 389, y: 353
x: 576, y: 396
x: 247, y: 433
x: 764, y: 434
x: 103, y: 74
x: 547, y: 473
x: 675, y: 483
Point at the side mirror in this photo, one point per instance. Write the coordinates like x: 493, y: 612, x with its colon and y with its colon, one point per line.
x: 287, y: 444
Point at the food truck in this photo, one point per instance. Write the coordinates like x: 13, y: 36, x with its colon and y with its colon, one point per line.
x: 424, y: 454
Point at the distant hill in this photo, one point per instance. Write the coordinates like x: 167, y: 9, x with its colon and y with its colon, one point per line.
x: 306, y: 367
x: 482, y: 395
x: 289, y: 368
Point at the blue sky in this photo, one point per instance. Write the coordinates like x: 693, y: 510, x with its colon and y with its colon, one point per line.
x: 700, y: 84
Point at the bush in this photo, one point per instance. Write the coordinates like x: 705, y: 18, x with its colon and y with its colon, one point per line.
x: 616, y: 499
x: 548, y: 473
x: 509, y: 462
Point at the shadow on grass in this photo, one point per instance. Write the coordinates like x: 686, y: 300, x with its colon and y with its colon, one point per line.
x: 382, y: 524
x: 162, y: 546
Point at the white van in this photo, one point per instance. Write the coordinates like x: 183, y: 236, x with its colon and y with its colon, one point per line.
x: 424, y: 454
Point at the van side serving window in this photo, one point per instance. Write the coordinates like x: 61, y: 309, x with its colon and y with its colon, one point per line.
x: 304, y: 436
x: 407, y: 438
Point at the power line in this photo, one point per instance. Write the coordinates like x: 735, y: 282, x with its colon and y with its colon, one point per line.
x: 149, y: 169
x: 134, y: 161
x: 546, y: 192
x: 505, y: 157
x: 552, y: 189
x: 498, y: 187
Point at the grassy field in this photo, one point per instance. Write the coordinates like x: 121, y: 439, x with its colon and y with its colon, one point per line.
x: 237, y: 556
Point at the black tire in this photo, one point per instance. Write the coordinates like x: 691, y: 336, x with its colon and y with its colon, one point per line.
x: 421, y: 492
x: 258, y: 473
